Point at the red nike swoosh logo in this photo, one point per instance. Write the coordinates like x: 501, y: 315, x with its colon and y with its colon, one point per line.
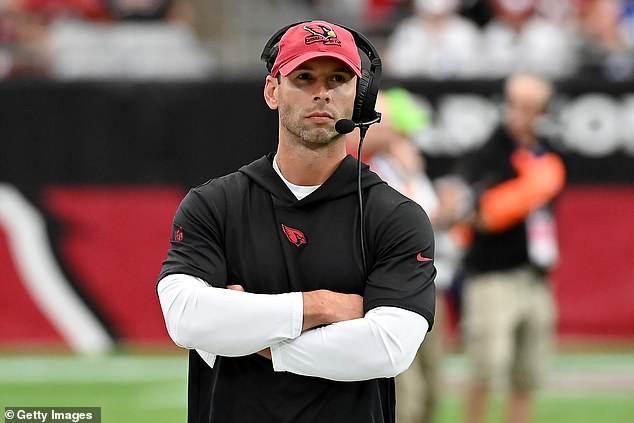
x: 420, y: 257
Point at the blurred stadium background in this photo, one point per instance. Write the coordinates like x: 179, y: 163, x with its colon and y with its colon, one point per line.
x: 111, y: 109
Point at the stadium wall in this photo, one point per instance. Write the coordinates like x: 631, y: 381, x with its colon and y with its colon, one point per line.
x: 92, y: 172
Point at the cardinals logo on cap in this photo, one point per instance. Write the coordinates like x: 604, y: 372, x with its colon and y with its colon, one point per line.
x: 320, y: 33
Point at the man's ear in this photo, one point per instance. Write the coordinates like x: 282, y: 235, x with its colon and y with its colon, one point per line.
x: 270, y: 92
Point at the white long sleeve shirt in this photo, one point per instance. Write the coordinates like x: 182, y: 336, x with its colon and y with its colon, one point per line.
x: 217, y: 321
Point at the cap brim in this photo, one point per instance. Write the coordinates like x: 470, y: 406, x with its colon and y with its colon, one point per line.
x: 291, y: 65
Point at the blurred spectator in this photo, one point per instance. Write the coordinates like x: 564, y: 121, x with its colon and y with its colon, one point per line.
x: 628, y: 16
x: 22, y: 35
x: 139, y: 10
x: 478, y: 11
x: 434, y: 42
x: 50, y: 9
x: 562, y: 13
x: 234, y: 31
x: 374, y: 17
x: 142, y: 39
x: 605, y: 41
x: 519, y: 39
x: 508, y: 308
x: 390, y: 152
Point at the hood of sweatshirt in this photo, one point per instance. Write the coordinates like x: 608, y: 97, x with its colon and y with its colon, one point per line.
x: 341, y: 183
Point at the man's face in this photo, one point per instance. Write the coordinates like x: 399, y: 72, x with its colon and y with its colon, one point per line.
x: 312, y: 98
x: 526, y: 100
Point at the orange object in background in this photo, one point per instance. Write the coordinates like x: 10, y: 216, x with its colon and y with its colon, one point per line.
x: 539, y: 180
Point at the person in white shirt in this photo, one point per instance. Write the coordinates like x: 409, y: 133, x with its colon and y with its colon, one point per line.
x: 518, y: 39
x: 435, y: 42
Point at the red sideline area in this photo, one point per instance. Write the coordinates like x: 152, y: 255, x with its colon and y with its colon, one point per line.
x: 115, y: 238
x: 21, y: 321
x: 594, y: 282
x: 114, y: 241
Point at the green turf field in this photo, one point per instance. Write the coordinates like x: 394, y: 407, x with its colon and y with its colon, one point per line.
x: 580, y: 388
x: 128, y: 388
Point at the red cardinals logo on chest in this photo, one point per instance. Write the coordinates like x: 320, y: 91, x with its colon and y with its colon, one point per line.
x: 295, y: 236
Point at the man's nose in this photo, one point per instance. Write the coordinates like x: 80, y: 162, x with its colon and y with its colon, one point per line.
x: 322, y: 92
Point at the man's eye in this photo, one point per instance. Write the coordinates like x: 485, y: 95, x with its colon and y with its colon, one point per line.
x: 338, y: 78
x: 303, y: 76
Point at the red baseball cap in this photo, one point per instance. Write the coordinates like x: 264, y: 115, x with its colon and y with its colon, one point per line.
x: 308, y: 40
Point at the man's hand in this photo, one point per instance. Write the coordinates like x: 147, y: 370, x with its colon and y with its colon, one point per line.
x: 235, y: 287
x: 323, y: 307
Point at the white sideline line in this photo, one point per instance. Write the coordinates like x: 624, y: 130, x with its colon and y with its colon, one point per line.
x: 82, y: 369
x: 566, y: 375
x: 28, y: 243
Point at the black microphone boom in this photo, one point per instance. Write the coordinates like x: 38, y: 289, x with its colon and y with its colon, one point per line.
x: 345, y: 126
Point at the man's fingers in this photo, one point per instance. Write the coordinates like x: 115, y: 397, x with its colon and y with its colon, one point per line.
x: 344, y: 306
x: 235, y: 287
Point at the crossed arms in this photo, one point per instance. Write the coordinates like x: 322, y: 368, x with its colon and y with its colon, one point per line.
x: 318, y: 333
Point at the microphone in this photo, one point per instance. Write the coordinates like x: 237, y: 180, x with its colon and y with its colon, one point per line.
x: 345, y: 126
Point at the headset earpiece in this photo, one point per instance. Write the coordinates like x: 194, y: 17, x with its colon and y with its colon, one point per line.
x: 271, y: 58
x: 363, y: 85
x: 367, y: 84
x: 367, y: 91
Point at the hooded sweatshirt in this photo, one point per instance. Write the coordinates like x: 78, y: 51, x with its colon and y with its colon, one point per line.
x: 248, y: 228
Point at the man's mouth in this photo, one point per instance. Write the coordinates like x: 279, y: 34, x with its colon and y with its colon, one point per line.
x: 320, y: 117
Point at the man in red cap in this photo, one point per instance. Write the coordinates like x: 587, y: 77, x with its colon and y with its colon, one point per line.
x: 287, y: 316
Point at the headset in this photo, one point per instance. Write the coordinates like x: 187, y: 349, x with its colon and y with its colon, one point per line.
x: 363, y: 114
x: 367, y: 84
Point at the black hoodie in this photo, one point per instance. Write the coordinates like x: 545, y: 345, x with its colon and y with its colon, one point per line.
x: 248, y: 228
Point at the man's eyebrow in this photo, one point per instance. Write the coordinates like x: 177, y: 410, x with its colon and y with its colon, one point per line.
x: 344, y: 69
